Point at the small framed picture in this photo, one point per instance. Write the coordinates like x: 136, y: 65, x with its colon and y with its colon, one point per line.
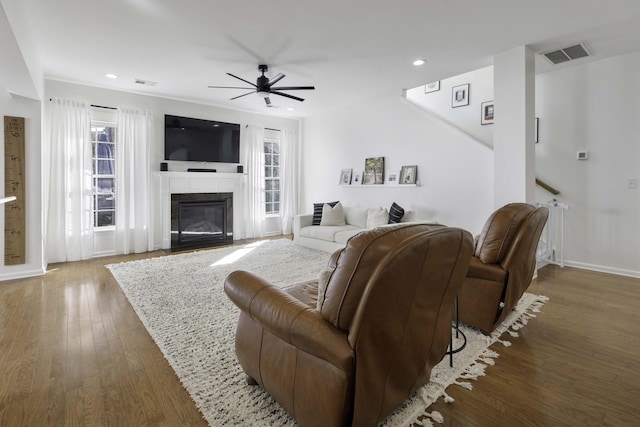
x: 392, y: 178
x: 357, y: 178
x: 432, y: 87
x: 460, y: 95
x: 486, y: 113
x: 345, y: 177
x: 408, y: 174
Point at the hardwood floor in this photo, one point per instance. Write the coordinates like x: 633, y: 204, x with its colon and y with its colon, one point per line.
x: 73, y: 352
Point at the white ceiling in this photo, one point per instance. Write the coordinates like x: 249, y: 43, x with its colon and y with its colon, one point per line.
x: 350, y: 50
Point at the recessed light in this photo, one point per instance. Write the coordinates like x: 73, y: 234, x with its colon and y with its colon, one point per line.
x: 111, y: 76
x: 418, y: 62
x: 290, y: 109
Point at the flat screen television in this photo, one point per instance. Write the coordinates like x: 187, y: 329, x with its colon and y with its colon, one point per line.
x: 201, y: 140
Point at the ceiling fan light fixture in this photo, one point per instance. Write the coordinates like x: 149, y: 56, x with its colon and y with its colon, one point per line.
x: 263, y: 94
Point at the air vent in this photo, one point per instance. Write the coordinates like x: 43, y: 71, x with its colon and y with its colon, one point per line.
x: 145, y: 82
x: 567, y: 54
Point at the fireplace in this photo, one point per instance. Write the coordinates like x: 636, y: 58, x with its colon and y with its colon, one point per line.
x: 201, y: 220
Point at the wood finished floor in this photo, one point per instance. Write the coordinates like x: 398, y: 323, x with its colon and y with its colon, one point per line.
x: 73, y: 352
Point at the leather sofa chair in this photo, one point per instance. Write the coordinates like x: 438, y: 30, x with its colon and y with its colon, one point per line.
x: 352, y: 346
x: 502, y: 265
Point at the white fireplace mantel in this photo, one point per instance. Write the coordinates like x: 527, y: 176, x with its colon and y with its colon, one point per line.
x: 200, y: 182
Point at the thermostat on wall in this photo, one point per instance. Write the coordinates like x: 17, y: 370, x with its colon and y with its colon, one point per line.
x: 582, y: 155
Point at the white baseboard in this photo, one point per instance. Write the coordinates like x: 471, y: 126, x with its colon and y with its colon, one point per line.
x: 603, y: 269
x: 22, y: 274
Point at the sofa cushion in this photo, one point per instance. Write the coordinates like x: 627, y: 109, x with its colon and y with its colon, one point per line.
x: 326, y: 232
x: 343, y: 236
x: 317, y: 212
x: 377, y: 217
x: 355, y: 215
x: 396, y: 212
x: 499, y: 230
x: 332, y: 215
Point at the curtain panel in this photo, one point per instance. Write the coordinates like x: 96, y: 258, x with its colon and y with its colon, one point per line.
x: 254, y: 191
x: 68, y: 190
x: 134, y: 230
x: 289, y: 178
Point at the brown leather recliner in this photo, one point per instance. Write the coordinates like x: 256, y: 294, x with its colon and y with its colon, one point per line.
x: 351, y: 347
x: 502, y: 265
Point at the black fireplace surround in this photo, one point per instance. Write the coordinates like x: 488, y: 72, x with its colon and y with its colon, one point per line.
x: 201, y: 220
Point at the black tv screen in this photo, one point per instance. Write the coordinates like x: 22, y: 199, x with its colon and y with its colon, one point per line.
x: 201, y: 140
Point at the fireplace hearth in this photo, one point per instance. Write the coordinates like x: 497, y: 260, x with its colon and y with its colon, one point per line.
x: 201, y: 220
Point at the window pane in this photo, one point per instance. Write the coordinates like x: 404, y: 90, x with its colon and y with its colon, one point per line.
x: 268, y: 159
x: 105, y: 218
x: 105, y: 185
x: 276, y: 160
x: 276, y: 184
x: 276, y: 207
x: 106, y: 167
x: 268, y: 171
x: 276, y: 148
x: 105, y: 151
x: 269, y: 197
x: 276, y: 196
x: 276, y: 172
x: 106, y: 201
x: 268, y: 148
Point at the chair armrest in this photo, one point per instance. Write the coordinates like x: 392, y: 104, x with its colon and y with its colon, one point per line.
x: 289, y: 319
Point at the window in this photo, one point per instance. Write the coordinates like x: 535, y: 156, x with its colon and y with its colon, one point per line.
x: 272, y: 176
x: 103, y: 142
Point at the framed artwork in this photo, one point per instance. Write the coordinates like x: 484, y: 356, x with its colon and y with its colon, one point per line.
x: 408, y: 174
x: 345, y: 177
x: 535, y: 130
x: 432, y: 87
x: 486, y: 109
x: 373, y: 171
x: 357, y: 178
x: 392, y: 177
x: 460, y: 95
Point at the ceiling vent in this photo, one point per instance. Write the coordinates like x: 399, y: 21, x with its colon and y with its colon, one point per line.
x: 146, y: 82
x: 567, y: 54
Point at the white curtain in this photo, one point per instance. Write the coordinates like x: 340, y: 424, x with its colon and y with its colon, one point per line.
x: 133, y: 184
x: 289, y: 179
x: 254, y: 200
x: 67, y: 176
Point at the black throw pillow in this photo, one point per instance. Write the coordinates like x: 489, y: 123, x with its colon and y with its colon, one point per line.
x: 395, y: 213
x: 317, y: 212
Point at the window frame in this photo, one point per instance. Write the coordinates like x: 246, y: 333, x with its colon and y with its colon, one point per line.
x: 270, y: 179
x: 95, y: 175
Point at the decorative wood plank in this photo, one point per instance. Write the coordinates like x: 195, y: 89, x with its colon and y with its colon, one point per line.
x: 14, y: 214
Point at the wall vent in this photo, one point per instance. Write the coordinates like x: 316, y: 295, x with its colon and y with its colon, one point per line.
x: 145, y: 82
x: 565, y: 54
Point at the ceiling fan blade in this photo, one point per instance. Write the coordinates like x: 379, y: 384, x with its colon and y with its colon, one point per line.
x: 276, y: 79
x: 246, y: 81
x: 267, y: 101
x: 229, y: 87
x: 240, y: 96
x: 286, y: 95
x: 294, y: 88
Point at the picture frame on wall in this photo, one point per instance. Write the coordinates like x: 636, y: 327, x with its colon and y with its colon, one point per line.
x: 408, y: 174
x: 432, y: 87
x: 392, y: 178
x: 373, y: 171
x: 460, y: 95
x: 357, y: 178
x: 486, y: 111
x: 345, y: 176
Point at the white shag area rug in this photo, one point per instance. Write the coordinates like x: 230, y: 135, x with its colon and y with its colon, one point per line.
x: 181, y: 301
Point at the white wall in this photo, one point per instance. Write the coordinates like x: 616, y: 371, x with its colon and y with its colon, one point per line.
x: 454, y: 170
x: 594, y: 107
x: 467, y: 118
x: 159, y: 107
x: 31, y: 111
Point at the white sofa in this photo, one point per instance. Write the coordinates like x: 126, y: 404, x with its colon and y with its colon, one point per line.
x: 329, y: 238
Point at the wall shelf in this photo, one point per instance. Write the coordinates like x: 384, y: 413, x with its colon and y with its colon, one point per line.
x: 380, y: 185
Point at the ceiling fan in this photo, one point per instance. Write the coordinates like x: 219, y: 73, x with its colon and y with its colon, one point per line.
x: 264, y: 87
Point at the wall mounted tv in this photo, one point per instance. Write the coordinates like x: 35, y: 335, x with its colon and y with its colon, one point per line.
x: 201, y: 140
